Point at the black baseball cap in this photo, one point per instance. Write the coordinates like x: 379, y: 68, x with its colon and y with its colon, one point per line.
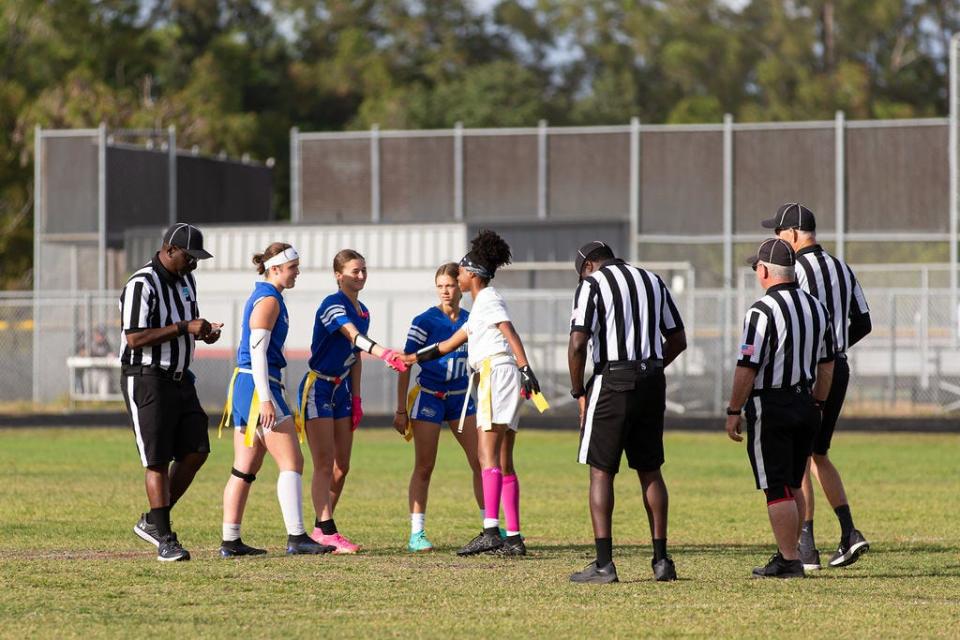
x: 584, y: 251
x: 187, y: 237
x: 792, y: 215
x: 773, y: 251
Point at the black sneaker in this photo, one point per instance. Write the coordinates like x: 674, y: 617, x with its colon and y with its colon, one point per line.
x: 810, y: 559
x: 593, y: 574
x: 235, y: 548
x: 778, y: 567
x: 147, y: 531
x: 850, y: 550
x: 481, y: 544
x: 304, y: 544
x: 512, y: 546
x: 169, y: 550
x: 663, y: 570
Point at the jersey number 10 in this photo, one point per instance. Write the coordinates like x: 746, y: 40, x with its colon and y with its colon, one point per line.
x: 456, y: 368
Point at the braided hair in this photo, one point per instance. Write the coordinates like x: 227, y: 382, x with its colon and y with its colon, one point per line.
x: 488, y: 252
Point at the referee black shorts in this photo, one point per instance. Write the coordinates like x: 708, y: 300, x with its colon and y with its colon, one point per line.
x: 625, y: 405
x: 833, y: 405
x: 168, y: 421
x: 780, y: 428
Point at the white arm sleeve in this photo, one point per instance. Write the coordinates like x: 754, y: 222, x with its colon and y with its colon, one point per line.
x: 259, y: 339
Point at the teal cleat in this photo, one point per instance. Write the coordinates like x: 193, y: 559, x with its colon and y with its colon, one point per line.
x: 418, y: 542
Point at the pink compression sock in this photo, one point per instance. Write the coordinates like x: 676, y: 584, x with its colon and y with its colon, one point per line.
x: 492, y: 485
x: 511, y: 502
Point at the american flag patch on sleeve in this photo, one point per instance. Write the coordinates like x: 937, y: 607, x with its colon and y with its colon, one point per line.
x: 746, y: 349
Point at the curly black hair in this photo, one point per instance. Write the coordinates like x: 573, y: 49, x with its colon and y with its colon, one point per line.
x: 489, y: 250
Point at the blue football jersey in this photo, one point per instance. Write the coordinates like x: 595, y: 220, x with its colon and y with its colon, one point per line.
x: 448, y: 373
x: 331, y: 352
x: 278, y: 335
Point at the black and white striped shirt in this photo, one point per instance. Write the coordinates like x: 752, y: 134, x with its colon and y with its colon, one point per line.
x: 832, y: 282
x: 154, y: 298
x: 626, y: 310
x: 785, y: 336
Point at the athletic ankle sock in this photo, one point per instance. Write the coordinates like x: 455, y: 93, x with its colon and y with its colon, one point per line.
x: 160, y: 518
x: 483, y: 514
x: 604, y: 551
x: 492, y: 487
x: 417, y: 522
x: 327, y: 527
x: 510, y: 496
x: 806, y: 536
x: 659, y: 549
x: 231, y: 532
x: 290, y: 495
x: 846, y: 521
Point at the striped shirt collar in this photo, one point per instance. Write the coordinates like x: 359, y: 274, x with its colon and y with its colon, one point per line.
x: 162, y: 271
x: 783, y: 286
x: 810, y: 249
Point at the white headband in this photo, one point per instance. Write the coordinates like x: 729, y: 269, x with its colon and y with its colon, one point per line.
x: 287, y: 255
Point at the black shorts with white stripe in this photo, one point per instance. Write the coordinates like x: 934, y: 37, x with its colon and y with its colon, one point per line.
x: 168, y: 421
x: 833, y: 405
x: 625, y: 405
x: 780, y: 427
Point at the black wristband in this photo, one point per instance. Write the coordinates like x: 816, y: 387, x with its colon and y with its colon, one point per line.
x: 430, y: 352
x: 577, y: 394
x: 734, y: 412
x: 182, y: 327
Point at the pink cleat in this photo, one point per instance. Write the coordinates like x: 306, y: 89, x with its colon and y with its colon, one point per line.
x: 342, y: 545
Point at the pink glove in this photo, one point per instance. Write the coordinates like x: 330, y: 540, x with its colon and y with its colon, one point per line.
x: 393, y: 360
x: 356, y: 412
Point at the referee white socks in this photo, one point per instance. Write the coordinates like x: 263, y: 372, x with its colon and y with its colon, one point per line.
x: 417, y: 521
x: 231, y: 532
x: 290, y: 495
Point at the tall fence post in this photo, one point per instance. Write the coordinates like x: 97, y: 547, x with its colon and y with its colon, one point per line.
x: 542, y: 204
x: 634, y: 251
x: 172, y: 174
x: 295, y: 212
x: 38, y: 216
x: 458, y: 171
x: 954, y: 187
x: 726, y: 307
x: 840, y: 187
x: 102, y: 208
x: 375, y: 173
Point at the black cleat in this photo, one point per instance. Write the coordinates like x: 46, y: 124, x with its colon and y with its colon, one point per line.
x: 778, y: 567
x: 305, y: 545
x: 512, y: 546
x: 592, y: 574
x: 850, y: 550
x: 170, y: 550
x: 147, y: 531
x: 236, y: 548
x: 481, y: 544
x: 810, y: 559
x: 663, y: 570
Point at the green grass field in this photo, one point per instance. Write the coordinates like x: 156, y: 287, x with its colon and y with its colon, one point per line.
x: 71, y: 567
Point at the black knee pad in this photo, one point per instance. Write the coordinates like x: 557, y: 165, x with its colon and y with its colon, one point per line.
x: 778, y: 494
x: 246, y: 477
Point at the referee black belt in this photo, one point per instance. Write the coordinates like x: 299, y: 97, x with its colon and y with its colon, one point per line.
x: 646, y: 367
x: 134, y: 370
x: 792, y: 390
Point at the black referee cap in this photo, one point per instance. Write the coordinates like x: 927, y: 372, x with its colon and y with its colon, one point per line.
x: 584, y: 252
x: 773, y: 251
x: 792, y: 215
x: 187, y: 237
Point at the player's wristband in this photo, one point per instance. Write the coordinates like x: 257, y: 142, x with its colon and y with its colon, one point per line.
x: 182, y: 327
x: 734, y: 412
x: 431, y: 352
x: 364, y: 343
x: 577, y: 394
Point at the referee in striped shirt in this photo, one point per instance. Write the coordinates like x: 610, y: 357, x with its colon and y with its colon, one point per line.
x: 782, y: 377
x: 161, y: 320
x: 635, y: 329
x: 833, y: 283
